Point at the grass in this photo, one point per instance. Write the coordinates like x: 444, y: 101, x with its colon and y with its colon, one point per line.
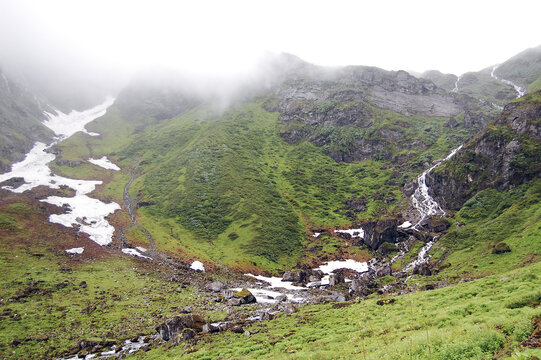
x: 490, y: 217
x: 206, y: 175
x: 49, y: 300
x: 467, y: 321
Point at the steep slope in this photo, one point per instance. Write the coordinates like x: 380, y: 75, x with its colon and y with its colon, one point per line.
x: 501, y: 83
x: 245, y: 186
x: 522, y: 69
x: 505, y: 154
x: 21, y: 114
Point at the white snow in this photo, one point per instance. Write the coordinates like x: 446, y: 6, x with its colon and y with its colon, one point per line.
x: 77, y: 250
x: 65, y: 125
x: 353, y: 232
x: 276, y: 282
x: 87, y: 213
x: 329, y: 267
x: 264, y: 296
x: 134, y: 252
x: 405, y: 225
x: 197, y: 266
x: 104, y: 163
x: 316, y: 235
x: 141, y: 249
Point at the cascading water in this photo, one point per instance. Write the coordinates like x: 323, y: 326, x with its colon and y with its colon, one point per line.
x: 520, y: 90
x: 421, y: 199
x: 456, y: 84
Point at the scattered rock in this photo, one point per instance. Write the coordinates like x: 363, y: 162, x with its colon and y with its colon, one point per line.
x: 245, y: 297
x: 215, y: 286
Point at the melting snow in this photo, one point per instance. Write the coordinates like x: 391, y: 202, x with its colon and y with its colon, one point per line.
x: 353, y: 232
x: 104, y: 163
x: 197, y: 266
x: 141, y: 249
x: 343, y: 264
x: 65, y: 125
x: 77, y: 250
x: 405, y: 225
x: 87, y: 213
x: 276, y: 282
x: 134, y: 252
x: 264, y: 296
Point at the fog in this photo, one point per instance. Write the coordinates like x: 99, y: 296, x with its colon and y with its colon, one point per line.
x: 77, y: 51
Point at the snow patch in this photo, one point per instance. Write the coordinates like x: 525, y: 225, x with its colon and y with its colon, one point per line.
x: 141, y: 249
x: 264, y: 296
x: 87, y: 213
x: 329, y: 267
x: 77, y: 250
x: 65, y: 125
x: 134, y: 252
x: 405, y: 225
x: 197, y: 266
x: 104, y: 163
x: 276, y: 282
x: 355, y: 233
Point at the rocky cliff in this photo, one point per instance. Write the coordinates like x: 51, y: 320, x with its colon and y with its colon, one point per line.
x: 358, y: 113
x: 503, y: 155
x: 21, y: 114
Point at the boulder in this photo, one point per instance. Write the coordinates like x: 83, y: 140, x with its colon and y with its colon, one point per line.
x: 501, y: 248
x: 296, y: 276
x: 215, y: 286
x: 245, y: 297
x: 437, y: 225
x: 336, y: 278
x: 172, y: 328
x: 378, y: 232
x: 363, y: 286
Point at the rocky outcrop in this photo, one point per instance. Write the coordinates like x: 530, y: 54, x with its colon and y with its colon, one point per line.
x: 505, y: 154
x: 313, y: 106
x: 181, y: 327
x: 21, y: 114
x: 378, y: 232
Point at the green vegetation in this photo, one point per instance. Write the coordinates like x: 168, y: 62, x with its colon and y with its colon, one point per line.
x: 489, y: 218
x: 473, y: 320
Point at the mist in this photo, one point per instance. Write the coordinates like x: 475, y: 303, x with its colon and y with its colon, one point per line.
x: 75, y: 53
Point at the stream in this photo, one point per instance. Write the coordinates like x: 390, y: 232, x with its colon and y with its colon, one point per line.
x: 520, y: 90
x: 421, y: 199
x: 138, y: 251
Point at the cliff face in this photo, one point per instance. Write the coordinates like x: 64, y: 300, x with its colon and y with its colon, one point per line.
x: 505, y: 154
x: 20, y: 120
x: 361, y: 113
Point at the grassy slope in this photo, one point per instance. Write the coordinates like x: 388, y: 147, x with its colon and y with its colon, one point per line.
x: 122, y: 298
x: 483, y: 319
x: 226, y: 187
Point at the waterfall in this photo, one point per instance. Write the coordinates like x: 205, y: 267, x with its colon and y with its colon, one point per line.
x: 520, y: 90
x: 421, y: 199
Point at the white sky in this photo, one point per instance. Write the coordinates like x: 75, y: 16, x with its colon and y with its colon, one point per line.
x: 227, y: 36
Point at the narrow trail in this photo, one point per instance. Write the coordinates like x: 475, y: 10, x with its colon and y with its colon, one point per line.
x: 130, y: 206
